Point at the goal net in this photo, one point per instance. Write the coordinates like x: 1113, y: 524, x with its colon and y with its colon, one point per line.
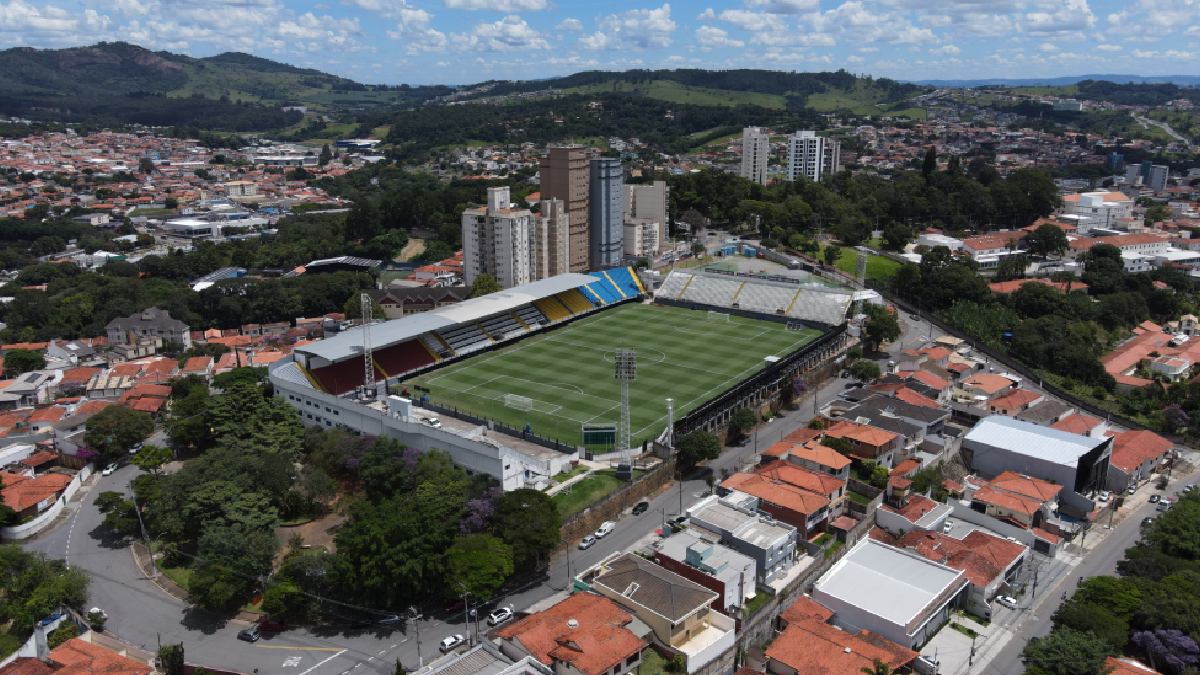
x: 518, y: 402
x: 717, y: 316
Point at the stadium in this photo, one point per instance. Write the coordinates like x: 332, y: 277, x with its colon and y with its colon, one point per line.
x: 536, y: 361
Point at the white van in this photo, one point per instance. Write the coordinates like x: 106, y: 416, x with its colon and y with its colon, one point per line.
x: 605, y: 529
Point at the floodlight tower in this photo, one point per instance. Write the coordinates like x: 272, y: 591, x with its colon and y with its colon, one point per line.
x: 625, y: 362
x: 368, y: 357
x: 670, y: 423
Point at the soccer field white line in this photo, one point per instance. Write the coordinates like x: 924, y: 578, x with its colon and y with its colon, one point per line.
x: 603, y: 349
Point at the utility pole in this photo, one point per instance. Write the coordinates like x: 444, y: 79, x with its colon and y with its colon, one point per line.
x: 416, y: 617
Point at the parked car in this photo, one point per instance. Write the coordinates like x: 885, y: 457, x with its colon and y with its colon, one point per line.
x: 250, y: 634
x: 1104, y: 495
x: 640, y: 508
x: 1007, y: 600
x: 587, y: 542
x: 1147, y: 520
x: 451, y: 641
x: 432, y: 422
x: 108, y: 470
x: 605, y: 529
x: 499, y: 616
x: 947, y: 526
x: 1154, y: 498
x: 1163, y: 505
x: 1132, y: 489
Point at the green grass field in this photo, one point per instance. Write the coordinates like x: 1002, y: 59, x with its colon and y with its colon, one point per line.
x: 674, y: 92
x: 568, y: 373
x: 878, y: 267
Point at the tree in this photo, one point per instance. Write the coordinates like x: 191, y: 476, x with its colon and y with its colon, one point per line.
x: 1065, y: 651
x: 353, y: 308
x: 325, y: 156
x: 1174, y: 651
x: 1157, y: 214
x: 865, y: 371
x: 832, y: 253
x: 698, y: 249
x: 697, y: 446
x: 152, y: 457
x: 877, y: 667
x: 529, y: 521
x: 1103, y: 269
x: 882, y: 326
x: 229, y: 563
x: 170, y: 658
x: 929, y: 164
x: 896, y: 236
x: 146, y: 166
x: 1010, y: 267
x: 1047, y: 239
x: 7, y: 515
x: 112, y: 431
x: 21, y: 361
x: 478, y: 564
x: 120, y: 514
x: 484, y: 284
x: 742, y: 421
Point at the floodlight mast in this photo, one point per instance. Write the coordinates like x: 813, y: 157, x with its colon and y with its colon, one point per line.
x: 625, y: 371
x: 368, y: 357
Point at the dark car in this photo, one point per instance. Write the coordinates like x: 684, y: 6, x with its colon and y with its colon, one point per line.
x: 1154, y: 498
x: 250, y: 634
x: 640, y: 508
x: 1147, y: 520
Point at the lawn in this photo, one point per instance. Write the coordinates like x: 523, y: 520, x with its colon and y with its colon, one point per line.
x: 652, y: 663
x: 862, y: 100
x: 586, y: 492
x: 180, y: 575
x: 566, y: 375
x: 878, y: 267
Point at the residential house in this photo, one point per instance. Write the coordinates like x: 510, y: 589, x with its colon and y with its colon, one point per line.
x: 1123, y: 665
x: 804, y: 510
x: 718, y: 568
x: 914, y: 512
x: 402, y: 301
x: 769, y: 543
x: 1013, y: 497
x: 867, y: 442
x: 1014, y: 402
x: 831, y: 488
x: 810, y: 646
x: 30, y: 495
x: 1135, y: 455
x: 153, y: 323
x: 198, y: 366
x: 814, y: 457
x: 77, y: 656
x: 678, y: 611
x: 585, y: 634
x: 74, y: 381
x: 1082, y: 424
x: 983, y: 387
x: 928, y: 421
x: 1046, y: 413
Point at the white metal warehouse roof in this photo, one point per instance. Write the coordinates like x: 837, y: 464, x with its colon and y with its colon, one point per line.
x: 888, y: 582
x: 1032, y: 440
x: 349, y: 343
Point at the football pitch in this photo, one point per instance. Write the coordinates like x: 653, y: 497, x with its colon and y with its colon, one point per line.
x: 566, y: 375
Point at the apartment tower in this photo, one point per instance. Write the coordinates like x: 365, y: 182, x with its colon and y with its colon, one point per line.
x: 549, y: 251
x: 496, y: 240
x: 756, y: 148
x: 564, y: 172
x: 606, y: 213
x: 813, y: 157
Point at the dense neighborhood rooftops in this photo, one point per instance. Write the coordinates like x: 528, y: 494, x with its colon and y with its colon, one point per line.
x: 1029, y: 439
x: 650, y: 586
x: 1131, y: 449
x: 812, y: 647
x: 777, y: 492
x: 587, y: 631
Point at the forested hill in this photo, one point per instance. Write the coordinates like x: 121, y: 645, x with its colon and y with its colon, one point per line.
x: 114, y: 82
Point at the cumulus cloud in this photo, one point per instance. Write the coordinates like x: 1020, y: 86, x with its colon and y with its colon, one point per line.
x: 633, y: 29
x: 507, y: 34
x: 574, y: 25
x: 746, y: 20
x: 1108, y: 48
x: 1051, y: 17
x: 498, y: 5
x: 784, y: 6
x: 709, y: 37
x: 1174, y: 54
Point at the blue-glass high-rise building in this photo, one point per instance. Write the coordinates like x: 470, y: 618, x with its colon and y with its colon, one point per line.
x: 606, y: 213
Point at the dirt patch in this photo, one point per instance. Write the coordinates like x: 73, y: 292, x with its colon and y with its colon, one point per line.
x: 317, y: 533
x: 412, y: 249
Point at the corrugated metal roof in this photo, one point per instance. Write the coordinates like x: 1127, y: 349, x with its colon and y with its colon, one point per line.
x: 886, y: 581
x: 1032, y: 440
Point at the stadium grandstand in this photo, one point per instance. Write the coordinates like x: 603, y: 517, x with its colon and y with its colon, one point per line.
x: 410, y: 344
x: 801, y: 301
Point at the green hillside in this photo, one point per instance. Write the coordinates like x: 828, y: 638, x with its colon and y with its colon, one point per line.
x: 674, y: 92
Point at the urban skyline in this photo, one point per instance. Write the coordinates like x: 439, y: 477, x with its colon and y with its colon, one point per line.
x: 464, y: 41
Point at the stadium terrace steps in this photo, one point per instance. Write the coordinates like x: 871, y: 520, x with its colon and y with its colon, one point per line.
x: 575, y: 301
x: 807, y: 302
x: 592, y: 296
x: 402, y: 358
x: 341, y: 377
x: 436, y: 345
x: 553, y: 309
x: 767, y: 299
x: 712, y: 290
x: 531, y: 316
x: 614, y: 284
x: 309, y: 376
x: 517, y: 317
x: 674, y: 285
x: 462, y: 336
x: 501, y: 326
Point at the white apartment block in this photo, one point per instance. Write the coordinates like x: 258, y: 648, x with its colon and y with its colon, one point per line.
x: 756, y: 148
x: 1102, y: 208
x: 811, y: 156
x: 642, y: 237
x: 496, y: 240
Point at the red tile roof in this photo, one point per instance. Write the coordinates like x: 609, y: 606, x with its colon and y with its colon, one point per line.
x: 1026, y: 485
x: 819, y: 483
x: 914, y: 508
x: 1077, y: 424
x: 822, y: 455
x: 51, y: 414
x: 781, y: 494
x: 599, y: 641
x: 39, y: 458
x: 1006, y: 287
x: 913, y: 398
x: 148, y: 405
x: 1131, y: 449
x: 1014, y: 400
x: 22, y: 492
x: 199, y: 364
x: 1127, y: 666
x: 79, y: 375
x: 804, y: 608
x: 862, y: 433
x: 811, y: 647
x: 86, y: 658
x: 930, y: 380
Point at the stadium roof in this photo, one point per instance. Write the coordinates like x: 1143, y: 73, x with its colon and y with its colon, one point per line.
x: 1026, y: 438
x: 888, y: 582
x: 348, y: 343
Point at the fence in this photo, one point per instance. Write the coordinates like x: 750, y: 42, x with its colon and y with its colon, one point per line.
x: 610, y: 506
x: 552, y: 444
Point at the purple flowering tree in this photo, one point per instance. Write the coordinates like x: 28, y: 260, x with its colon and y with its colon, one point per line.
x: 1170, y: 651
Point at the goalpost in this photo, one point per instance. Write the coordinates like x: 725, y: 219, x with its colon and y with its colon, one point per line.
x: 518, y: 402
x: 714, y: 315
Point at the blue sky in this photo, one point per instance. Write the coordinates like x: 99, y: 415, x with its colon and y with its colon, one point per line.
x: 462, y: 41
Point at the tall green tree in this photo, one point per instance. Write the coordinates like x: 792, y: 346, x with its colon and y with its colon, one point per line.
x: 478, y: 564
x: 21, y: 361
x: 151, y: 458
x: 1047, y: 239
x: 529, y: 521
x: 1065, y: 652
x: 882, y: 326
x: 697, y: 446
x: 929, y: 164
x: 484, y: 284
x: 325, y: 156
x: 114, y: 430
x: 170, y: 658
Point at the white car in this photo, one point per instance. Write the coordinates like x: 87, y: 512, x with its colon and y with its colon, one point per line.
x: 605, y: 529
x: 1006, y: 600
x: 499, y: 616
x: 108, y: 470
x: 432, y: 422
x: 451, y: 641
x: 1104, y: 495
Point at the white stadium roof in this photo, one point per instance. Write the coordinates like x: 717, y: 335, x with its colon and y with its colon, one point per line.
x: 888, y: 582
x: 349, y: 343
x: 1033, y: 440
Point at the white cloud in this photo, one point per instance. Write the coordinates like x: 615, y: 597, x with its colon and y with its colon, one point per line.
x: 947, y: 50
x: 1109, y: 48
x: 42, y: 23
x: 784, y: 6
x: 634, y: 29
x: 1048, y: 47
x: 498, y: 5
x: 854, y: 59
x: 1051, y: 17
x: 574, y: 25
x: 709, y: 37
x: 752, y: 21
x: 507, y: 34
x: 1174, y: 54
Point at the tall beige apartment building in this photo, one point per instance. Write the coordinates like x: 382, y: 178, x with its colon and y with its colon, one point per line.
x: 565, y: 176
